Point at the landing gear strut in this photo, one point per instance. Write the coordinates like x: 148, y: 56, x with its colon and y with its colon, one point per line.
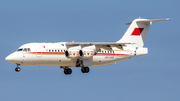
x: 85, y: 69
x: 18, y: 69
x: 67, y: 71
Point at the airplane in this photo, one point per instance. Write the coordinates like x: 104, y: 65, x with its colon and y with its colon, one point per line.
x: 85, y: 54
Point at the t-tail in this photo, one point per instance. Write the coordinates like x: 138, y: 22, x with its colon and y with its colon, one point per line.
x: 137, y: 32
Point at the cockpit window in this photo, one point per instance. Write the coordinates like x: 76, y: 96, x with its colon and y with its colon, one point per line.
x: 24, y: 50
x: 28, y: 49
x: 19, y: 50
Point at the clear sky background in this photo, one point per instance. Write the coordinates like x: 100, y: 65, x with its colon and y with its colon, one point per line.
x: 152, y: 77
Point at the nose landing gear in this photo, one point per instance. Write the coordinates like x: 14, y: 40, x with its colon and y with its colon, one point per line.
x: 18, y: 69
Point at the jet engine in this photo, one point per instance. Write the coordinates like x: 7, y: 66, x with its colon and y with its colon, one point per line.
x: 86, y: 53
x: 72, y: 53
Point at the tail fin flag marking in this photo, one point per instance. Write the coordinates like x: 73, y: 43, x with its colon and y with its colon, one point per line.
x: 137, y: 31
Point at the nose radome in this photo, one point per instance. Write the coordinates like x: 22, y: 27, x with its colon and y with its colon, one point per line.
x: 9, y: 58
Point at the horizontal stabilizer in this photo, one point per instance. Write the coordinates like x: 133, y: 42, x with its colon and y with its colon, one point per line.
x: 147, y: 20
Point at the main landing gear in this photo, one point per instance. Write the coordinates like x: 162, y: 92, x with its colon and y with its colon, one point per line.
x: 79, y: 63
x: 68, y: 70
x: 18, y: 69
x: 85, y: 69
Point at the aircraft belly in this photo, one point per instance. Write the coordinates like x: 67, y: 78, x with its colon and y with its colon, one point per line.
x: 61, y: 60
x: 104, y: 60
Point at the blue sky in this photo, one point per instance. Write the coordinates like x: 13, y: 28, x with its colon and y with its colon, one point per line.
x: 152, y: 77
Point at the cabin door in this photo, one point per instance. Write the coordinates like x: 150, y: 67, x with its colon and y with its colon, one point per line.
x: 38, y: 50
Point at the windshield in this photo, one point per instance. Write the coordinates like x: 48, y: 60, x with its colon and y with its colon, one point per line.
x: 27, y: 50
x: 19, y: 50
x: 24, y: 50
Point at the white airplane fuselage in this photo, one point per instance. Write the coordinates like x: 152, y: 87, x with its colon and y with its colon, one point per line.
x: 53, y: 54
x: 85, y: 54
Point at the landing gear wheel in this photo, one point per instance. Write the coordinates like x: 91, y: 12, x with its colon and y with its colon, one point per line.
x: 82, y: 70
x: 85, y: 69
x: 17, y: 69
x: 67, y: 71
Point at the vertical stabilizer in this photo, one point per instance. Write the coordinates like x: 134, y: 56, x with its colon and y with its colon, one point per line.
x: 137, y: 32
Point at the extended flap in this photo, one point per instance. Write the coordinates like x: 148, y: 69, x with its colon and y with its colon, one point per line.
x: 87, y: 62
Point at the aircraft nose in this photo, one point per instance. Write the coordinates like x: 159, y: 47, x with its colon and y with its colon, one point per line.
x: 9, y: 58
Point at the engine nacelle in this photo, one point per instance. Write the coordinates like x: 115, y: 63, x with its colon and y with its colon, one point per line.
x: 86, y: 53
x: 72, y: 53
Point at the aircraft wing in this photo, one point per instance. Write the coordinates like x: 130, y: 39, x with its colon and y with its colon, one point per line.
x: 94, y: 43
x: 105, y: 45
